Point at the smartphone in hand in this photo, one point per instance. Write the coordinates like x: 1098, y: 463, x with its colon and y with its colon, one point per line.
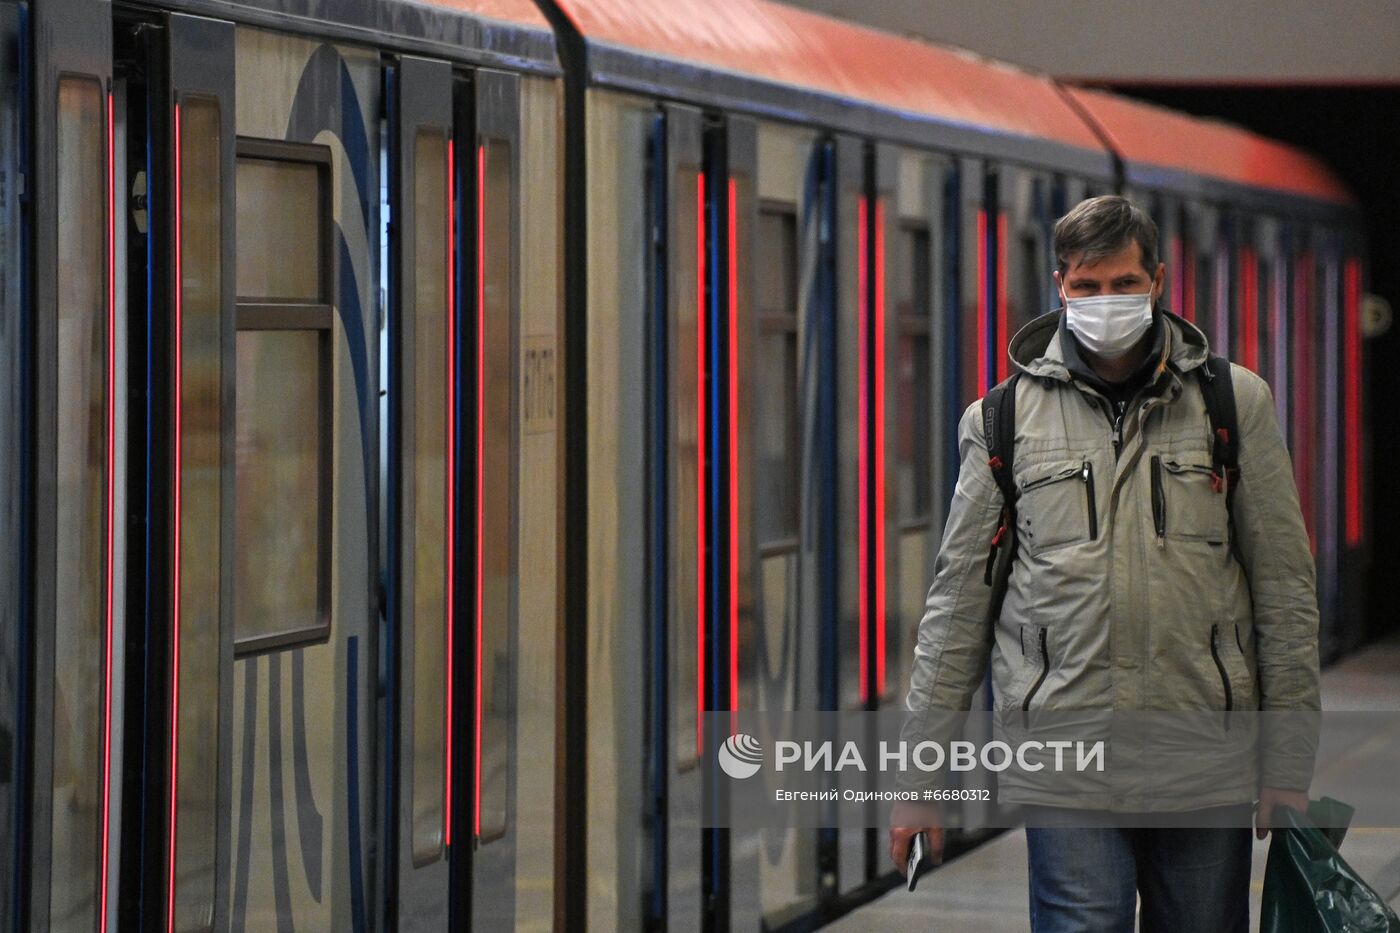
x: 915, y: 864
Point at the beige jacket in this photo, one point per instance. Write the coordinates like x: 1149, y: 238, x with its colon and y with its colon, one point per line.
x: 1122, y: 596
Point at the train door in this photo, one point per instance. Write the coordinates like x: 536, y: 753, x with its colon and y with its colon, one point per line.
x: 790, y: 644
x: 13, y: 146
x: 422, y: 598
x: 471, y: 400
x: 511, y: 612
x: 68, y: 725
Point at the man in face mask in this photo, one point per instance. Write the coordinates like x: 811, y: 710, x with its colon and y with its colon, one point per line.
x: 1109, y: 328
x: 1134, y: 586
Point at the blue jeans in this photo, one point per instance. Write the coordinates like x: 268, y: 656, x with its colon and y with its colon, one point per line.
x: 1084, y: 879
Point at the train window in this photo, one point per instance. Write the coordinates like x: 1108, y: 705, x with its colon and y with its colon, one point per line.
x: 80, y: 526
x: 279, y: 484
x: 497, y: 509
x: 913, y: 294
x: 281, y: 259
x: 776, y: 437
x: 282, y: 530
x: 425, y: 502
x: 201, y: 458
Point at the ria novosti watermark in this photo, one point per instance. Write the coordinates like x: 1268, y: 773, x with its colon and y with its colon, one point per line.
x: 741, y: 756
x: 816, y: 769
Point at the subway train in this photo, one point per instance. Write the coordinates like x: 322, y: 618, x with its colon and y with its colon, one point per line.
x: 414, y: 414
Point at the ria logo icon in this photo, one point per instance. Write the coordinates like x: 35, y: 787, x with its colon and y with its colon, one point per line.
x: 741, y: 756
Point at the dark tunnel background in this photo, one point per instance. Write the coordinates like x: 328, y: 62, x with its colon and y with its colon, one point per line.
x: 1356, y: 131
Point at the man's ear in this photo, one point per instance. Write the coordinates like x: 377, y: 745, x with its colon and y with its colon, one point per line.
x: 1159, y: 282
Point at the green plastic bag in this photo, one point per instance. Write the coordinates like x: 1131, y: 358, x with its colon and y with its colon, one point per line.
x: 1308, y: 888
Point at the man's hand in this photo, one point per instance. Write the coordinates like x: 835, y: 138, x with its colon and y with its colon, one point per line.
x: 1270, y: 797
x: 906, y: 819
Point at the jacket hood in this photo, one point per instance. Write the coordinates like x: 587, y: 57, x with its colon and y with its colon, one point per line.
x: 1036, y: 348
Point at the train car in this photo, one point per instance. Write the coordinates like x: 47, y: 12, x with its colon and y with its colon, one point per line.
x: 1265, y: 253
x: 839, y: 232
x: 414, y: 416
x: 277, y: 379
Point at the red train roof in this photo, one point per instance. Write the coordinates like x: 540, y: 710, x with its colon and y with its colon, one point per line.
x: 1155, y: 136
x: 521, y: 12
x: 767, y: 40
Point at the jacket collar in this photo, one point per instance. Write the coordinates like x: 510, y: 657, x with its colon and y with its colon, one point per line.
x: 1037, y: 348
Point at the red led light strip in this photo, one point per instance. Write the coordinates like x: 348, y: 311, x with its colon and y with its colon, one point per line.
x: 111, y: 498
x: 981, y: 383
x: 451, y: 475
x: 1351, y: 331
x: 1249, y: 309
x: 1003, y: 314
x: 480, y: 447
x: 733, y: 447
x: 176, y: 518
x: 1188, y: 285
x: 862, y: 455
x: 700, y: 335
x: 879, y: 447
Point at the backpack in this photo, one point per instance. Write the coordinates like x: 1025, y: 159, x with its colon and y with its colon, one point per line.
x: 999, y: 431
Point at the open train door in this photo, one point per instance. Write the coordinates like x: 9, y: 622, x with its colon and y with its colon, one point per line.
x: 174, y: 106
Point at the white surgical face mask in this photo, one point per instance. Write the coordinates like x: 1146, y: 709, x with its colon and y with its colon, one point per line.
x: 1109, y: 325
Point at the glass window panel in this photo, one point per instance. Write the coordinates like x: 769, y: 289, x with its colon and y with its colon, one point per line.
x: 428, y: 498
x: 776, y: 438
x: 498, y: 496
x: 278, y: 202
x: 80, y: 526
x: 685, y: 476
x: 200, y: 391
x: 279, y: 485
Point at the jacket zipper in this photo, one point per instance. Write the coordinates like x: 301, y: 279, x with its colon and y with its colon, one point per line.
x: 1087, y: 472
x: 1052, y: 478
x: 1159, y: 501
x: 1044, y: 670
x: 1174, y: 466
x: 1220, y: 666
x: 1118, y: 429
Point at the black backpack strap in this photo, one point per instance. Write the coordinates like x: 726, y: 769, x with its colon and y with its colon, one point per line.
x: 1218, y: 389
x: 999, y: 432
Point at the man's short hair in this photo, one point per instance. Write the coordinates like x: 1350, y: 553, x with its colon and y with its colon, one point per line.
x: 1099, y: 227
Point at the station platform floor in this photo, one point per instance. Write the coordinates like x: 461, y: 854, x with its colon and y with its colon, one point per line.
x: 985, y: 889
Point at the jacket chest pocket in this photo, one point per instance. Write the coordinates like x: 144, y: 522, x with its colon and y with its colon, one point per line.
x: 1188, y: 500
x: 1057, y: 507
